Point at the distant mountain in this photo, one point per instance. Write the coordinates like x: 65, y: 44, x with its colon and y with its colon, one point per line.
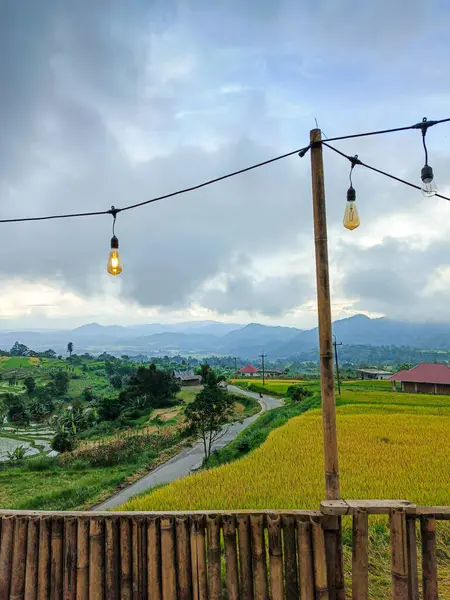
x: 230, y: 339
x: 361, y: 329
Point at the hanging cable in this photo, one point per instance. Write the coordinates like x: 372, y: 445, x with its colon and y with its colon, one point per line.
x: 359, y: 162
x: 301, y: 152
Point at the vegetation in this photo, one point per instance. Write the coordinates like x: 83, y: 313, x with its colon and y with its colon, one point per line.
x: 393, y: 441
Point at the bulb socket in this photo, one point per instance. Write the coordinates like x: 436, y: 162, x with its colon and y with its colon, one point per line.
x: 114, y: 243
x: 351, y: 194
x: 427, y: 174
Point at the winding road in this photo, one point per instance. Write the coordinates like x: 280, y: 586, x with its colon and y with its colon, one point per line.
x: 188, y: 459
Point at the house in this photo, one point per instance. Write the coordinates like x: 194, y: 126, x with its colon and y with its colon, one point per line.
x: 373, y: 374
x: 249, y: 371
x: 424, y: 378
x: 187, y: 377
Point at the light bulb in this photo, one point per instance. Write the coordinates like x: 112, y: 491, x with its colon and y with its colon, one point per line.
x: 428, y: 184
x: 351, y: 217
x: 114, y: 265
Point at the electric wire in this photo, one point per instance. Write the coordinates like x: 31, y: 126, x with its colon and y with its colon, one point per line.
x: 356, y: 161
x: 424, y: 125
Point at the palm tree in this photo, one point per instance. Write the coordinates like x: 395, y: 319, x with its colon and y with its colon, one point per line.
x: 70, y: 350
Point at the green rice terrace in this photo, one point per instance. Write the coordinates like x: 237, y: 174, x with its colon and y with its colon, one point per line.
x: 74, y: 430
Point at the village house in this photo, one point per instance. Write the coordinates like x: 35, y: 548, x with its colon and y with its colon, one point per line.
x: 251, y: 371
x: 424, y: 378
x: 187, y: 377
x: 373, y: 374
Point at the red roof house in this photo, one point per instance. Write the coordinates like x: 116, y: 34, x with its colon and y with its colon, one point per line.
x: 249, y: 371
x: 433, y: 378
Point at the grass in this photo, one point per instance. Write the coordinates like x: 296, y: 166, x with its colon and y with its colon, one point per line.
x: 392, y: 445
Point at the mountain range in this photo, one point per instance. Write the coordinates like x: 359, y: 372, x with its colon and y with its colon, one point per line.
x: 230, y: 339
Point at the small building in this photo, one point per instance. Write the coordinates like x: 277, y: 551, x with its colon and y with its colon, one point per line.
x: 187, y: 377
x: 373, y: 374
x: 425, y: 378
x: 249, y: 371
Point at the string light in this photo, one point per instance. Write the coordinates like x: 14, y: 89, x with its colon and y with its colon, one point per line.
x: 114, y: 264
x: 351, y: 216
x: 429, y: 185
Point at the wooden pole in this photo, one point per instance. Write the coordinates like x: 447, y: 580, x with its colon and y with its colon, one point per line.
x: 325, y: 328
x: 70, y: 559
x: 82, y: 559
x: 19, y: 559
x: 231, y: 557
x: 399, y: 555
x: 360, y: 556
x: 275, y: 556
x: 245, y: 557
x: 290, y: 557
x: 6, y: 552
x: 305, y: 560
x: 31, y: 575
x: 429, y: 558
x: 214, y: 558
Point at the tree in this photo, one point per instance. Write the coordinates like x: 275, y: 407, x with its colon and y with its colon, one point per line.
x: 19, y: 350
x: 16, y: 408
x: 30, y: 384
x: 70, y: 350
x: 116, y: 381
x: 205, y: 370
x: 156, y: 387
x: 61, y: 381
x: 209, y: 415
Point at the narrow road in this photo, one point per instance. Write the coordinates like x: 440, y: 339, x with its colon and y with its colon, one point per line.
x: 188, y: 459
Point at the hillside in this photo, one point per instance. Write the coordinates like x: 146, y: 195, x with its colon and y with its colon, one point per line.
x: 247, y: 342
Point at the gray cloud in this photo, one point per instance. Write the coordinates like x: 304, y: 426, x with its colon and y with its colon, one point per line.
x: 272, y: 296
x: 87, y: 87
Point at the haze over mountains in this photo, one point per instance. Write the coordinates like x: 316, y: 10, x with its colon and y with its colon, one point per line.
x: 245, y: 341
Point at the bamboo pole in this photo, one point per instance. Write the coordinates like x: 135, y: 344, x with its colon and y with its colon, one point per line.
x: 154, y: 585
x: 82, y: 559
x: 70, y: 559
x: 429, y: 558
x: 44, y: 558
x: 31, y: 574
x: 19, y: 559
x: 231, y: 558
x: 399, y: 555
x: 183, y: 558
x: 360, y: 556
x: 112, y: 556
x: 245, y: 557
x: 305, y: 560
x: 275, y: 556
x: 169, y: 577
x: 201, y: 558
x: 325, y: 327
x: 411, y: 541
x: 125, y: 558
x: 290, y: 557
x: 143, y: 583
x: 259, y: 557
x: 339, y: 582
x: 214, y: 558
x: 136, y: 571
x: 6, y: 549
x: 56, y: 569
x: 320, y: 561
x: 97, y: 559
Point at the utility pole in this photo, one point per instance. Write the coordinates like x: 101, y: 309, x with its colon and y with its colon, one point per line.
x: 235, y: 364
x: 333, y: 533
x: 263, y: 356
x: 336, y: 359
x: 324, y: 314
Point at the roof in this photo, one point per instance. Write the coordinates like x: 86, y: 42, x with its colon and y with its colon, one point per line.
x: 249, y: 369
x: 424, y: 373
x: 373, y: 371
x: 185, y: 375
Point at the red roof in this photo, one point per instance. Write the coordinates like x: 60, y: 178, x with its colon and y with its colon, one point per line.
x: 424, y: 373
x: 249, y: 369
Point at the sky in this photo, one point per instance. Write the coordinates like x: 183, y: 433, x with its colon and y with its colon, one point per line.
x: 115, y: 102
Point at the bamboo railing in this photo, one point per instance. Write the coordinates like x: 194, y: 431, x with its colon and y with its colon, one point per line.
x: 247, y: 555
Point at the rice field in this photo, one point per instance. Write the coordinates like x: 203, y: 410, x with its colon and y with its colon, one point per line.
x: 391, y: 445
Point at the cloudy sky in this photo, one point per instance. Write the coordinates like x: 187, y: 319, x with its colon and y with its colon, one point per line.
x: 113, y: 102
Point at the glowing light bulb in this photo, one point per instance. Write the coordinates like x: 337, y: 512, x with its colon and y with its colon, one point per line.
x: 351, y: 217
x: 114, y: 265
x: 428, y: 184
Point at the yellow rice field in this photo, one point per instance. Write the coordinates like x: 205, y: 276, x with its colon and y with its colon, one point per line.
x: 386, y: 451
